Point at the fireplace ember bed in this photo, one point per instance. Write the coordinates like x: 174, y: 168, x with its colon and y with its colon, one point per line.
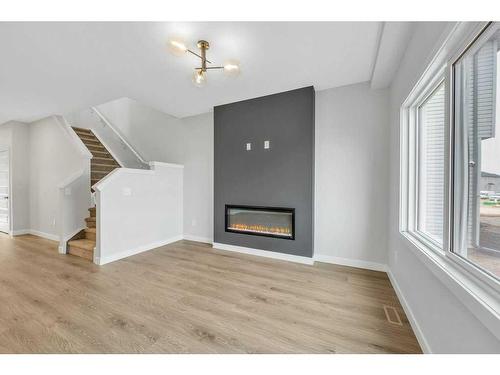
x: 277, y: 222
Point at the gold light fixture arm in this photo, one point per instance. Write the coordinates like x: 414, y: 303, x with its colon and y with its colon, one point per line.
x: 197, y: 55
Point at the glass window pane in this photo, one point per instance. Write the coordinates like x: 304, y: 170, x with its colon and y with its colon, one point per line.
x: 477, y: 154
x: 431, y: 165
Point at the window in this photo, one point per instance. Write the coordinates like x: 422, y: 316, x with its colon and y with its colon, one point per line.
x: 476, y: 144
x: 450, y: 167
x: 423, y: 172
x: 450, y: 157
x: 431, y: 161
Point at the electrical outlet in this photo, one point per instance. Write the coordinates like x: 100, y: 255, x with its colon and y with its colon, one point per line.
x: 267, y: 145
x: 127, y: 192
x: 249, y: 146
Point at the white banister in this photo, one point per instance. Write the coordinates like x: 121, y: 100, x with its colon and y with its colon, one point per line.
x: 105, y: 121
x: 74, y: 200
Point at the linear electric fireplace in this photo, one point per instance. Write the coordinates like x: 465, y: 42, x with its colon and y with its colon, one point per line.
x: 275, y: 222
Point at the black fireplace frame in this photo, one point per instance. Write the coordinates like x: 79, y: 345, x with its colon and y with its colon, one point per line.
x: 259, y: 208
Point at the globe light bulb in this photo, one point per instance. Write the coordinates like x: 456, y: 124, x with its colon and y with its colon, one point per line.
x: 199, y: 78
x: 177, y: 47
x: 231, y: 68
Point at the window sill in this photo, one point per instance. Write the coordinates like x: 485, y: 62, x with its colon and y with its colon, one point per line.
x: 478, y: 296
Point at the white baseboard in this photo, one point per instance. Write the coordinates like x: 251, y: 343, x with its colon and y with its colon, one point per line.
x: 351, y: 262
x: 264, y: 253
x: 198, y: 239
x: 409, y: 314
x: 47, y: 236
x: 140, y: 249
x: 20, y: 232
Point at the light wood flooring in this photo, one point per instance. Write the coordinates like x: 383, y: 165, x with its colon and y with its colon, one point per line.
x: 188, y: 298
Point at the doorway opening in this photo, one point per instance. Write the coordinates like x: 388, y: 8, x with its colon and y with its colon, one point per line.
x: 4, y: 191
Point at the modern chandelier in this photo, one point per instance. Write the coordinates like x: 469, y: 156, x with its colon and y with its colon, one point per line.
x: 230, y: 68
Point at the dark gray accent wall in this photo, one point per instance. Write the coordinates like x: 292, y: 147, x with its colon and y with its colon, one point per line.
x: 282, y: 176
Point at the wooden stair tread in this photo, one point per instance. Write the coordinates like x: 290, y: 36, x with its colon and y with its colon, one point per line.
x: 86, y: 137
x: 87, y: 219
x: 98, y: 148
x: 96, y: 164
x: 102, y: 154
x: 104, y: 161
x: 82, y: 130
x: 101, y: 173
x: 80, y: 252
x: 107, y: 169
x: 90, y: 234
x: 83, y: 244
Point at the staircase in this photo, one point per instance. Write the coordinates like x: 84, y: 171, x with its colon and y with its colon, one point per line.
x: 101, y: 164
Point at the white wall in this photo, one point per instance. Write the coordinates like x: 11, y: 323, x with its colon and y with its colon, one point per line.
x: 15, y: 136
x: 138, y: 210
x: 53, y: 159
x: 188, y: 141
x: 352, y: 174
x: 446, y: 325
x: 154, y: 134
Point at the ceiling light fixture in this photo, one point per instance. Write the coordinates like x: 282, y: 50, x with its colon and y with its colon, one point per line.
x: 230, y: 68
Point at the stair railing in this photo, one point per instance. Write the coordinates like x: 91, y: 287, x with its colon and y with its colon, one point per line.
x: 122, y: 139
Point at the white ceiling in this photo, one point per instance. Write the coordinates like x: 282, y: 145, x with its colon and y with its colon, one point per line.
x: 52, y: 68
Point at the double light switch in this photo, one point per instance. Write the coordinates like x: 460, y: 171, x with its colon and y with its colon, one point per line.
x: 267, y: 146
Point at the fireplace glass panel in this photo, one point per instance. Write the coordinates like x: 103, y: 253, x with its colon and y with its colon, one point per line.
x: 261, y: 221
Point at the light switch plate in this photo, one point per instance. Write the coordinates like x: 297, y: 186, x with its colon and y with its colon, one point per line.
x: 127, y: 192
x: 67, y: 191
x: 267, y: 145
x: 249, y: 146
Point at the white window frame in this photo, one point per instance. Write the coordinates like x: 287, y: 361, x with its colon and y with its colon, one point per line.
x: 480, y: 36
x: 477, y: 289
x: 411, y: 113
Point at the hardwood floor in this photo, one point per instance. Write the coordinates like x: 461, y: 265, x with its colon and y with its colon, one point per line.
x: 188, y: 298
